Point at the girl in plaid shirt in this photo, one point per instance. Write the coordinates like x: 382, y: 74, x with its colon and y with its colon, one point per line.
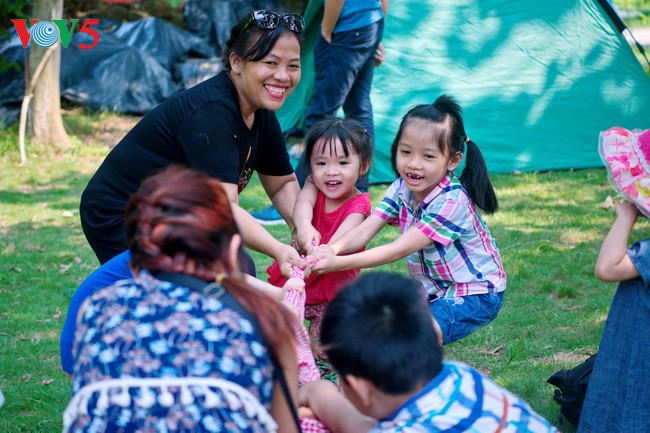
x: 447, y: 245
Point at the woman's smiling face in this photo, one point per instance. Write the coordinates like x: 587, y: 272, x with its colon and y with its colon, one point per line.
x: 266, y: 83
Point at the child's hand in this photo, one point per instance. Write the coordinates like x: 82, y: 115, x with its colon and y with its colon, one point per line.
x: 305, y: 412
x: 627, y: 211
x: 325, y: 259
x: 306, y: 238
x: 323, y: 249
x: 323, y: 400
x: 316, y: 389
x: 294, y: 283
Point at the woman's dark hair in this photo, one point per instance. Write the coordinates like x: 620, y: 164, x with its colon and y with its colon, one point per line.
x: 251, y: 42
x: 348, y: 131
x: 180, y: 220
x: 449, y: 132
x: 379, y: 328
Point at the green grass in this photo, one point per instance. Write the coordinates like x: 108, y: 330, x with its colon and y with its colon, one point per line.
x: 635, y: 12
x: 549, y: 229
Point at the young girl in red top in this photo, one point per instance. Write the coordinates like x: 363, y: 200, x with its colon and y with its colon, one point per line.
x: 339, y: 151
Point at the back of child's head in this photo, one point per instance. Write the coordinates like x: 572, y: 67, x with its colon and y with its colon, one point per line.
x: 448, y: 131
x: 379, y: 328
x: 352, y: 135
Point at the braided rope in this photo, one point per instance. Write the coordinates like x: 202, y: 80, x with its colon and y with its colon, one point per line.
x: 307, y: 369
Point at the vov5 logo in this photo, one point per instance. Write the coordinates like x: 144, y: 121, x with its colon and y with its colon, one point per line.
x: 46, y: 33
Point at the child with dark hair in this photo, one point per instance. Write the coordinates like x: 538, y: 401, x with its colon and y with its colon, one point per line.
x: 339, y: 152
x: 384, y: 346
x: 447, y: 245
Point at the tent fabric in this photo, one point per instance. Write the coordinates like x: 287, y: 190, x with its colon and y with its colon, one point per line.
x: 537, y: 81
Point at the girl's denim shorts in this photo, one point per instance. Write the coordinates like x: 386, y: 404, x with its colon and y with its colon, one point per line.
x: 458, y: 317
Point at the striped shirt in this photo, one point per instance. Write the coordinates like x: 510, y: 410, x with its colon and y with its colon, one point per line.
x: 460, y: 399
x: 463, y: 258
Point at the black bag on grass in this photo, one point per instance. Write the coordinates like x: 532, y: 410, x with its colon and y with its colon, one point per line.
x: 572, y: 386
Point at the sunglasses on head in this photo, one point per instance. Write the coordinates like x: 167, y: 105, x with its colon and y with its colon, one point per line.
x: 270, y: 20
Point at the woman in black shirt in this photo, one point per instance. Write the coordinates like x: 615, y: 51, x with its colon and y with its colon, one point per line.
x: 224, y: 127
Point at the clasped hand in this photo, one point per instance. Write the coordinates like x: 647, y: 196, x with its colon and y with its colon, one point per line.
x: 287, y: 257
x: 324, y: 259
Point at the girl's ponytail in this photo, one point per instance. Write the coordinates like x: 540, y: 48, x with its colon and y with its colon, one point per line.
x: 476, y: 181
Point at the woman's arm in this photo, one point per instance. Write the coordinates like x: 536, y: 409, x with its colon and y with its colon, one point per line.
x: 408, y: 242
x: 303, y: 214
x: 613, y: 263
x: 283, y: 192
x: 256, y: 237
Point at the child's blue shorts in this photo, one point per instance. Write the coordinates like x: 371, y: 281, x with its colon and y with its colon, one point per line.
x: 458, y: 317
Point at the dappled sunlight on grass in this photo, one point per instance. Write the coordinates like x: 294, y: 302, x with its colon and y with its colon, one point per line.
x: 573, y: 237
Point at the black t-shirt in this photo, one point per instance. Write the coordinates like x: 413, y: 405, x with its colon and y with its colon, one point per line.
x: 201, y: 128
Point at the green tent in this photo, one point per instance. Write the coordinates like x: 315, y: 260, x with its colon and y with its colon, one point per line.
x: 537, y: 81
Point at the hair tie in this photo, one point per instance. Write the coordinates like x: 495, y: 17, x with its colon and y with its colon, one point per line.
x: 220, y: 277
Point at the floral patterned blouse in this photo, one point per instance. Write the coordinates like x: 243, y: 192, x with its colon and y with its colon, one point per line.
x: 153, y: 344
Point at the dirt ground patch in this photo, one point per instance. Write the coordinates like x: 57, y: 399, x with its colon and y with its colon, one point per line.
x: 109, y: 131
x: 569, y: 358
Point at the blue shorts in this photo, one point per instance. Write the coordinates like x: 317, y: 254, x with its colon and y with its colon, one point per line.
x: 458, y: 317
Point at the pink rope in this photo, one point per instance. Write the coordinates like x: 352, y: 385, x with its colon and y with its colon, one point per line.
x: 307, y: 369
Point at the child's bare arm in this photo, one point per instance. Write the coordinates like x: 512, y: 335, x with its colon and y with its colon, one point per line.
x: 350, y: 222
x: 613, y: 263
x: 359, y: 236
x: 333, y: 409
x: 303, y: 213
x: 408, y: 242
x: 275, y: 291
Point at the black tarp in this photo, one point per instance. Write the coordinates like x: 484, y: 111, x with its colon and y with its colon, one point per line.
x: 12, y: 81
x: 114, y: 76
x: 212, y: 19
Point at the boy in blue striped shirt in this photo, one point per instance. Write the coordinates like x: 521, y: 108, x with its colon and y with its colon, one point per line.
x: 385, y: 349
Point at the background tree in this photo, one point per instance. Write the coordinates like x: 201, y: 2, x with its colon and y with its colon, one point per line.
x: 45, y: 124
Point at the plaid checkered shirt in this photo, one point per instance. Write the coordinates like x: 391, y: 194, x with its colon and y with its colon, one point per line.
x: 463, y: 258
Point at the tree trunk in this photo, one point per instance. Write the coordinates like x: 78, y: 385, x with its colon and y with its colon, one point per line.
x: 46, y: 123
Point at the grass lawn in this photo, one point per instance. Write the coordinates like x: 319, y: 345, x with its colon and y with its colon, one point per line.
x: 549, y: 229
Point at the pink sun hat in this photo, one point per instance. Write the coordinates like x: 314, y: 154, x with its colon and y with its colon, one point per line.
x: 626, y: 155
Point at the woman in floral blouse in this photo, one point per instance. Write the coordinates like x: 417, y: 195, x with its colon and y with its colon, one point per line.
x: 186, y: 345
